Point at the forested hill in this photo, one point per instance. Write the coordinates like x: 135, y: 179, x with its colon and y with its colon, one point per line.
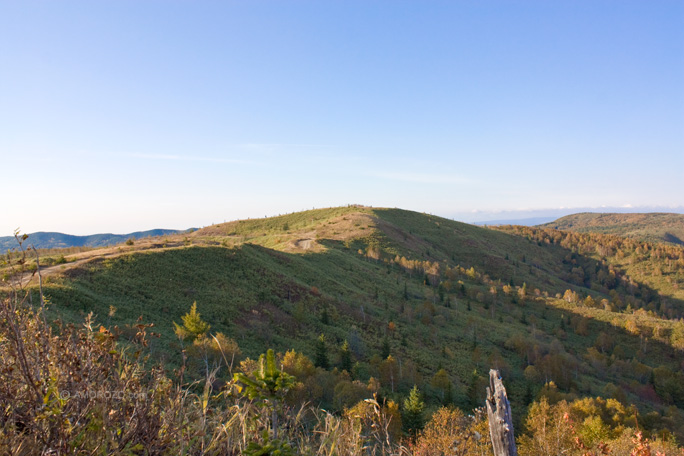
x: 380, y: 300
x: 52, y: 240
x: 650, y: 227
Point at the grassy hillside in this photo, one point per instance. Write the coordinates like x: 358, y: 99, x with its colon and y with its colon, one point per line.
x: 650, y: 227
x: 594, y: 314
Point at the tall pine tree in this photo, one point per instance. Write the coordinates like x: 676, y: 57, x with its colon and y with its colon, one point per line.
x: 345, y: 358
x: 321, y: 355
x: 412, y: 415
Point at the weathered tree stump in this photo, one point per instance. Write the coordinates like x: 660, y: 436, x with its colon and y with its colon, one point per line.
x: 500, y: 418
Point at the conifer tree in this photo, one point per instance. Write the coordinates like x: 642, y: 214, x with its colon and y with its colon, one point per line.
x: 345, y: 357
x: 268, y: 384
x: 385, y: 351
x: 412, y: 416
x: 193, y: 325
x: 321, y: 356
x: 473, y: 398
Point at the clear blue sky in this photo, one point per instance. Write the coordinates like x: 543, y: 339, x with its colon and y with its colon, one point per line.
x: 117, y: 116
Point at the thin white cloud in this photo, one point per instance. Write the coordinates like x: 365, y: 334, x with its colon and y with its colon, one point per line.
x: 191, y: 158
x: 278, y: 145
x: 30, y: 159
x: 277, y: 148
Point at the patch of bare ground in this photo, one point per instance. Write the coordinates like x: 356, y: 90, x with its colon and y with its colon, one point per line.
x: 304, y: 244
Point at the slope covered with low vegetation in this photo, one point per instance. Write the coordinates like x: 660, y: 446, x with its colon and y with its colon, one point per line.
x: 648, y: 227
x: 358, y: 301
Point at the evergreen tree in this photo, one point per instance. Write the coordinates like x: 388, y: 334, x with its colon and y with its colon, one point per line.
x: 269, y: 385
x: 473, y: 394
x: 529, y: 397
x: 385, y: 351
x: 193, y: 325
x: 325, y: 319
x: 321, y: 356
x: 412, y: 415
x: 345, y: 357
x: 406, y: 296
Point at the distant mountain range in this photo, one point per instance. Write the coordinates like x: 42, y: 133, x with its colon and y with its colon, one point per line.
x: 538, y: 216
x: 531, y: 221
x: 651, y: 227
x: 51, y: 240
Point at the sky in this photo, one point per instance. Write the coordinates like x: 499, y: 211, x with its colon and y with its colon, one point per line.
x: 118, y: 116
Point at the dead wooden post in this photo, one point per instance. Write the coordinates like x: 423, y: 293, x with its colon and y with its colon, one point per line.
x: 500, y: 418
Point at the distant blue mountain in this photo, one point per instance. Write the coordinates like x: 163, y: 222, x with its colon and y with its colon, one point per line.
x: 532, y: 221
x: 49, y: 240
x: 533, y: 217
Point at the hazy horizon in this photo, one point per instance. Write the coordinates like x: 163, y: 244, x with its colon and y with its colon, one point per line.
x: 521, y: 217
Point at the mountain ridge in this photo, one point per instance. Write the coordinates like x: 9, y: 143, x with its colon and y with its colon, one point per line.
x: 650, y: 227
x: 55, y: 240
